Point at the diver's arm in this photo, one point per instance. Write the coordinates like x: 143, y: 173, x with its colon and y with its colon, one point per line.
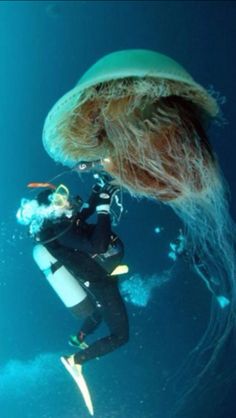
x: 101, y: 236
x: 102, y: 232
x: 89, y: 208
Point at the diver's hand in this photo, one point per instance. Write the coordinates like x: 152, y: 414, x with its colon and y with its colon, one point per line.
x: 107, y: 192
x: 105, y: 196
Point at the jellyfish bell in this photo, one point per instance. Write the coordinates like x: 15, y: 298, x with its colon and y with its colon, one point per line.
x: 135, y: 108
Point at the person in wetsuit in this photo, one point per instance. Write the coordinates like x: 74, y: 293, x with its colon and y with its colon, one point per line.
x: 90, y: 252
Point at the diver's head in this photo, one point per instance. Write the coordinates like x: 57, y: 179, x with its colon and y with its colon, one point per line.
x: 59, y: 198
x: 51, y: 204
x: 44, y: 196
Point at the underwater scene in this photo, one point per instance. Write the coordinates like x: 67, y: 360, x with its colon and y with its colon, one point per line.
x: 117, y: 228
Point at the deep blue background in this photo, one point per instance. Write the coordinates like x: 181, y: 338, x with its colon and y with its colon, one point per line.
x: 45, y: 47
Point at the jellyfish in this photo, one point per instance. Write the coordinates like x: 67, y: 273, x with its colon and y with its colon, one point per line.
x: 145, y: 119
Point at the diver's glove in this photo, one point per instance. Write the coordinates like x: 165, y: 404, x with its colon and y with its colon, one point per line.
x: 94, y: 197
x: 105, y: 196
x: 89, y: 207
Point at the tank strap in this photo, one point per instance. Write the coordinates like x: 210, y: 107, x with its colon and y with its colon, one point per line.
x: 56, y: 266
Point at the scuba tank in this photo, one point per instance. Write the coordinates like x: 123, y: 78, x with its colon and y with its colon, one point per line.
x: 63, y: 282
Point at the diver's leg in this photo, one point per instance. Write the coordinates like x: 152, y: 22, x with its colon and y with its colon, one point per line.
x: 115, y: 316
x: 90, y: 324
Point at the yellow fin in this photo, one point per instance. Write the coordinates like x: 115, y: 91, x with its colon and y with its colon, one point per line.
x: 122, y: 269
x: 76, y: 372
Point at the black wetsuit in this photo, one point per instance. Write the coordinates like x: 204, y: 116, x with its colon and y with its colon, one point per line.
x: 82, y: 248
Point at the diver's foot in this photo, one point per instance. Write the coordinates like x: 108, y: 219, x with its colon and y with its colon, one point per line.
x: 75, y: 342
x: 223, y: 301
x: 71, y: 366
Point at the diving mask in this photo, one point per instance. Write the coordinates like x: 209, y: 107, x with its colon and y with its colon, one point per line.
x: 60, y: 198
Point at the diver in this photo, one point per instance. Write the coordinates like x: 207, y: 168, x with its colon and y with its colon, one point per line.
x: 81, y: 261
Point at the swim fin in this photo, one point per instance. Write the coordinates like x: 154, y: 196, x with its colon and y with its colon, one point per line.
x: 75, y: 371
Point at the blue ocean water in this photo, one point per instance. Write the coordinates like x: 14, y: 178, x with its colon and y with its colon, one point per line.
x: 45, y: 47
